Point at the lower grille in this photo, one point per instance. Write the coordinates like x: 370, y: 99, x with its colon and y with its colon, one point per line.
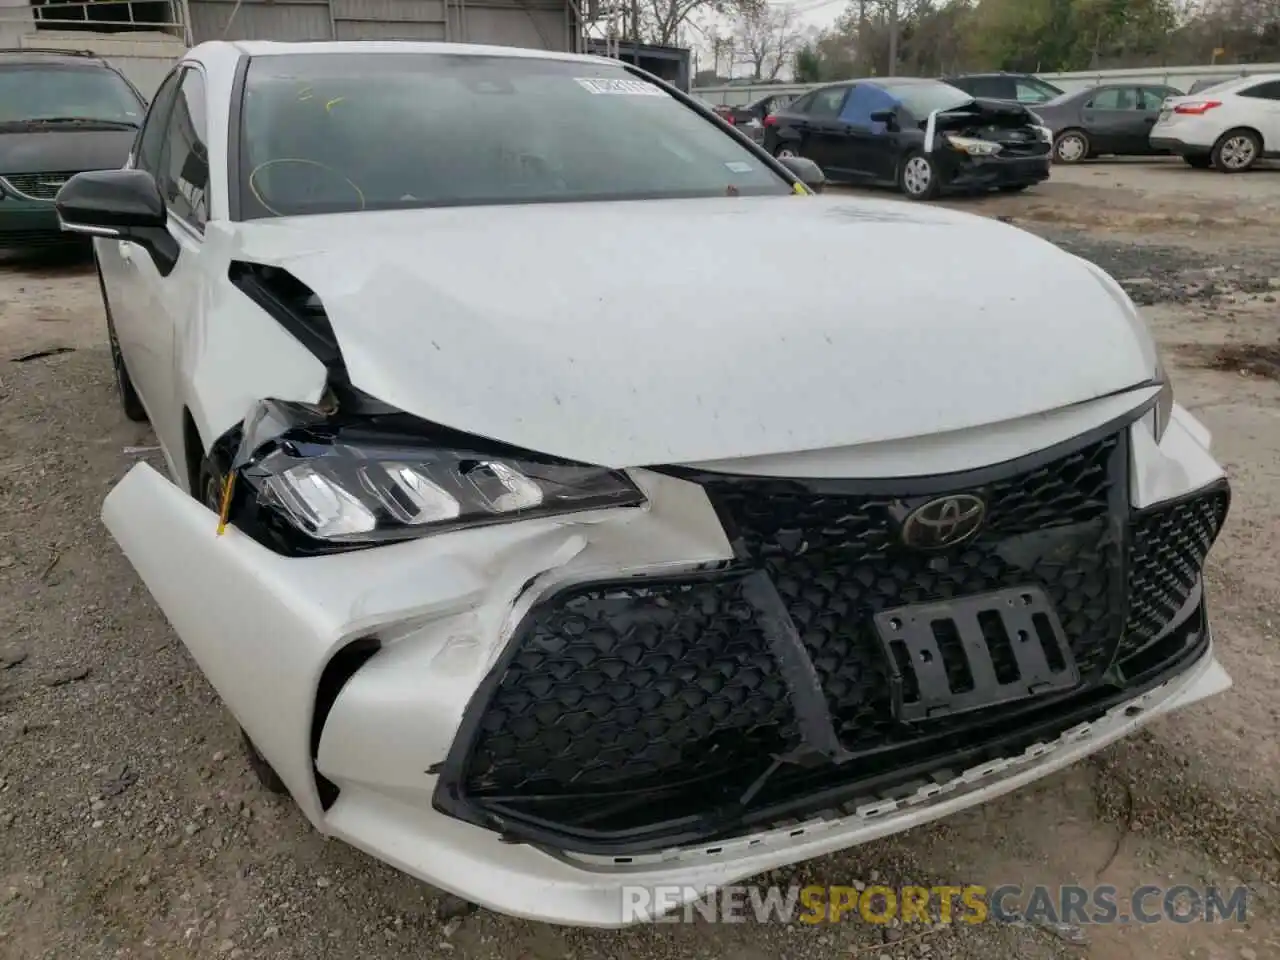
x: 35, y: 186
x: 628, y: 711
x: 1167, y: 549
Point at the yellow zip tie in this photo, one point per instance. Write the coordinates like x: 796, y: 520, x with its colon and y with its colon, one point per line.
x: 225, y: 509
x: 800, y: 190
x: 333, y: 103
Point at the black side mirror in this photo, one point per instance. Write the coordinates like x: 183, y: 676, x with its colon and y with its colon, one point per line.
x: 888, y: 117
x: 119, y: 204
x: 806, y: 171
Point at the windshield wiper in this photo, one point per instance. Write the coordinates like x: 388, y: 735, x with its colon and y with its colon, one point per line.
x: 99, y: 120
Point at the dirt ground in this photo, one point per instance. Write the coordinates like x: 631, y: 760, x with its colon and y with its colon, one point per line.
x: 130, y: 825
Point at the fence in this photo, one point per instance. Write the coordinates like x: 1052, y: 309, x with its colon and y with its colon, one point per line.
x: 1179, y: 77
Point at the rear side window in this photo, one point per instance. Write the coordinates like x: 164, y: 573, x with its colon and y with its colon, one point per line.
x: 827, y: 103
x: 992, y: 88
x: 1263, y: 91
x: 864, y: 100
x: 802, y: 105
x: 1028, y: 90
x: 184, y: 176
x: 1150, y: 98
x: 1115, y: 98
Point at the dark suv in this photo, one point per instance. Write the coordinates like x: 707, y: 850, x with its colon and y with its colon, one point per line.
x: 1020, y: 88
x: 61, y: 112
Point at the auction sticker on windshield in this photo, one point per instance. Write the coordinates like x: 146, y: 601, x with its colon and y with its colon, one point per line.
x: 637, y: 88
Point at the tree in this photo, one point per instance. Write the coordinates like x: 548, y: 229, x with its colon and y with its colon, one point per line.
x: 767, y: 39
x: 808, y: 64
x: 660, y: 20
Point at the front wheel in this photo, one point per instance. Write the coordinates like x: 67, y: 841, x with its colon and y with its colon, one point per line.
x: 129, y: 401
x: 1236, y: 151
x: 918, y: 177
x: 785, y: 151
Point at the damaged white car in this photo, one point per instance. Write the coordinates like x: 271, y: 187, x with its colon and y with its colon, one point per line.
x: 533, y: 565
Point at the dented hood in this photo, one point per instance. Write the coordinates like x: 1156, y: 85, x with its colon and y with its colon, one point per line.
x: 642, y: 333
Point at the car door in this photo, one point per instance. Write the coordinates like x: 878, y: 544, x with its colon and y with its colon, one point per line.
x: 166, y: 304
x: 1112, y: 120
x: 116, y: 258
x: 825, y: 133
x: 866, y: 148
x: 1263, y: 104
x: 1150, y: 101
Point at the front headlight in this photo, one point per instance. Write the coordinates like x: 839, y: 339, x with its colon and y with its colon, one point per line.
x: 370, y: 481
x: 1044, y: 133
x: 973, y: 146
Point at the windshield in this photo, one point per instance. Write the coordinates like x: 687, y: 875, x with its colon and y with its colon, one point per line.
x: 330, y: 133
x: 921, y: 99
x: 38, y: 92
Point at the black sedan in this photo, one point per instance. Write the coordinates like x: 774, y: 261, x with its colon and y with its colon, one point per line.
x: 879, y: 132
x: 1115, y: 118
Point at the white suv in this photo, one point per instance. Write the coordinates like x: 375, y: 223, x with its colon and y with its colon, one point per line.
x: 1230, y: 126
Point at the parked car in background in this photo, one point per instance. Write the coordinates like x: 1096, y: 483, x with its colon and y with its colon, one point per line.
x: 1229, y: 126
x: 874, y: 131
x: 751, y: 117
x: 60, y: 113
x: 1016, y: 87
x: 1114, y: 118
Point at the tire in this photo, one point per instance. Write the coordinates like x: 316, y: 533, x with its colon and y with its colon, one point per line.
x: 208, y: 490
x: 129, y: 402
x: 1236, y: 151
x: 266, y: 775
x: 1013, y: 187
x: 1071, y: 146
x: 1198, y: 161
x: 918, y: 177
x: 785, y: 150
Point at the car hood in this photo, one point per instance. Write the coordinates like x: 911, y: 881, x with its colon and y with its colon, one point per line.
x: 644, y: 333
x: 63, y: 150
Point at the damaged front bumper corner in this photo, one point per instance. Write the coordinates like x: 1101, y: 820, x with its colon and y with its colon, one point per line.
x: 362, y: 748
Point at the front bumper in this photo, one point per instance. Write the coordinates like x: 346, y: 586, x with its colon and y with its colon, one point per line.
x: 989, y: 172
x: 372, y: 752
x: 26, y: 223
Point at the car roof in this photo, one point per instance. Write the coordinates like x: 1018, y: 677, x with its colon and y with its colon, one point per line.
x: 275, y: 48
x: 69, y: 57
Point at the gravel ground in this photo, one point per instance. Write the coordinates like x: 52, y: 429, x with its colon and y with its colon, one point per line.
x: 130, y: 825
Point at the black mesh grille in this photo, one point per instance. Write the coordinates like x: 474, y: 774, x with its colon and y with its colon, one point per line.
x: 1167, y: 550
x: 625, y: 685
x: 836, y: 561
x: 625, y: 707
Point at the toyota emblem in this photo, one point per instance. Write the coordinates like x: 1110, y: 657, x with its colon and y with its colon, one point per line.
x: 944, y: 522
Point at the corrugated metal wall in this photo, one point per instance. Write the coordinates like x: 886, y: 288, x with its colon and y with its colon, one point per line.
x: 535, y: 23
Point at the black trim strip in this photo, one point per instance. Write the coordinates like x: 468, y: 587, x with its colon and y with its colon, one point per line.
x: 234, y: 198
x: 937, y: 483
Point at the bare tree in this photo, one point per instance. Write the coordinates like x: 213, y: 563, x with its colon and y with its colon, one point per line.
x: 661, y: 20
x: 767, y: 40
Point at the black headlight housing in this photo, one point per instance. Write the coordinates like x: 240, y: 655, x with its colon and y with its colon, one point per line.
x: 308, y: 482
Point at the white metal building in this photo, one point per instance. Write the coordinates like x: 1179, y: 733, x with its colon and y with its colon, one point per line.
x: 144, y: 37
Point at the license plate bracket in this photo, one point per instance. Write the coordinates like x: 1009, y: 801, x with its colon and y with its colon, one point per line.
x: 973, y: 652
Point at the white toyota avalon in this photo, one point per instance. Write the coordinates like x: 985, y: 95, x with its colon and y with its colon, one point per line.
x: 530, y: 563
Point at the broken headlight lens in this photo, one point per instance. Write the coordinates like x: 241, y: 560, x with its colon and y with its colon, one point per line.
x: 973, y: 146
x: 355, y: 486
